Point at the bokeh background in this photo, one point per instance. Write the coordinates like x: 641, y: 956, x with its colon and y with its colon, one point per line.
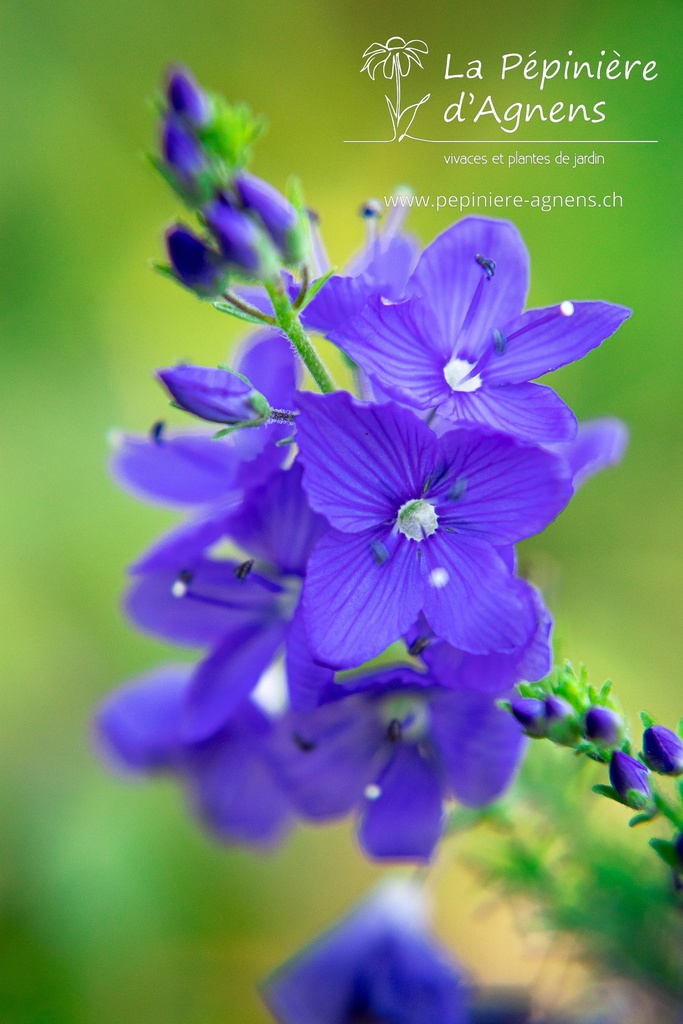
x: 113, y: 908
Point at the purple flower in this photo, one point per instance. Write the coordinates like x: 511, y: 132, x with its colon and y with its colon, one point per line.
x: 195, y: 265
x: 598, y: 444
x: 276, y: 213
x: 393, y: 746
x: 603, y: 725
x: 192, y: 471
x: 630, y: 778
x: 241, y: 611
x: 186, y: 98
x: 417, y: 523
x: 240, y: 239
x: 663, y: 750
x: 460, y: 344
x: 530, y: 713
x: 181, y: 151
x: 215, y: 394
x: 229, y: 778
x: 379, y: 963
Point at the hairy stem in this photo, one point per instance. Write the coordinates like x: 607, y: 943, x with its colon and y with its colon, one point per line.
x: 287, y: 319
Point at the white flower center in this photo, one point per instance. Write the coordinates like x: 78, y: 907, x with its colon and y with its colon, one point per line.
x: 417, y: 519
x: 406, y: 717
x: 455, y: 372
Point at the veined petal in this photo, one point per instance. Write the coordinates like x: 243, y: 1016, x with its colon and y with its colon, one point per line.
x: 542, y: 340
x: 276, y: 523
x: 268, y: 360
x: 481, y: 745
x: 470, y: 598
x: 307, y: 681
x: 447, y: 277
x: 401, y: 348
x: 531, y: 412
x: 404, y: 821
x: 503, y: 491
x: 228, y: 675
x: 361, y: 462
x: 354, y: 605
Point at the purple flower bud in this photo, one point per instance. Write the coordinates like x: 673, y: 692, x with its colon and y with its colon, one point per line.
x: 602, y: 725
x: 217, y: 395
x: 663, y: 750
x: 239, y: 237
x: 557, y: 709
x: 186, y: 97
x: 277, y: 214
x: 181, y: 150
x: 678, y: 847
x: 627, y: 774
x: 195, y: 265
x: 530, y: 713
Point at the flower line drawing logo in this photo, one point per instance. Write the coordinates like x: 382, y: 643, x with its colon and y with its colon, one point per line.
x: 396, y: 57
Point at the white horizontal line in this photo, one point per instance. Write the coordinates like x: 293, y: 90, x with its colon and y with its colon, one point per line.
x: 523, y: 142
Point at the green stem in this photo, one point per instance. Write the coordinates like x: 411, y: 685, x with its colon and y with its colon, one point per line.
x: 289, y: 322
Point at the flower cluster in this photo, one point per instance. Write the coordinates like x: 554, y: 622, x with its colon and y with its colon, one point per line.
x: 339, y: 530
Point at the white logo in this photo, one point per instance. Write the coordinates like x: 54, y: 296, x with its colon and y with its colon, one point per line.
x: 396, y: 58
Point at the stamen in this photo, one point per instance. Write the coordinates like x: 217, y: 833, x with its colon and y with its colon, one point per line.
x: 371, y: 213
x: 439, y: 578
x: 182, y: 583
x: 306, y: 746
x: 372, y: 792
x: 156, y: 431
x: 458, y: 490
x: 394, y: 731
x: 488, y: 266
x: 419, y: 644
x: 499, y: 341
x: 380, y: 551
x: 243, y: 570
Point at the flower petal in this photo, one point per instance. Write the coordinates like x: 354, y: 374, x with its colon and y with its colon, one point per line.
x: 355, y: 606
x: 361, y: 462
x: 228, y: 675
x: 185, y: 545
x: 471, y: 599
x: 137, y: 727
x: 531, y: 412
x: 542, y: 340
x: 404, y: 821
x: 447, y: 277
x: 481, y: 745
x: 400, y: 347
x: 268, y: 360
x: 599, y: 443
x: 505, y: 491
x: 307, y: 681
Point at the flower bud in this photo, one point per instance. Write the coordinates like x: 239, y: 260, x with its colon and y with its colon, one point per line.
x: 530, y: 713
x: 195, y: 265
x: 217, y: 395
x: 629, y: 777
x: 181, y: 150
x: 663, y: 750
x: 557, y: 709
x: 602, y: 725
x: 240, y: 239
x: 277, y: 214
x: 187, y: 98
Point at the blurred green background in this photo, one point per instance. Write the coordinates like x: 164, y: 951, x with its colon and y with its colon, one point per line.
x: 113, y: 908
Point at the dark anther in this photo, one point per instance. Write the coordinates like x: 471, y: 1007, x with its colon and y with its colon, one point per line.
x: 313, y: 215
x: 394, y: 730
x: 419, y: 644
x: 457, y: 491
x: 304, y: 745
x: 500, y: 341
x: 380, y: 552
x: 243, y: 570
x: 185, y: 576
x: 156, y: 431
x: 371, y: 209
x: 488, y: 266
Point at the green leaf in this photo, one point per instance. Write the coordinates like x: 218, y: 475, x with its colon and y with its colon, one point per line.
x: 666, y: 851
x: 231, y: 133
x: 679, y: 729
x: 641, y: 819
x: 239, y: 314
x: 610, y: 792
x: 646, y: 719
x: 605, y: 692
x: 316, y: 286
